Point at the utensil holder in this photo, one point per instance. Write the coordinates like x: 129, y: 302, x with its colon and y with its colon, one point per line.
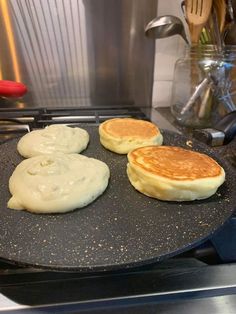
x: 204, y: 86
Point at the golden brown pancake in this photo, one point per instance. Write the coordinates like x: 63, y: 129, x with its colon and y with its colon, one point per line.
x: 130, y: 127
x: 175, y: 163
x: 174, y: 173
x: 122, y: 135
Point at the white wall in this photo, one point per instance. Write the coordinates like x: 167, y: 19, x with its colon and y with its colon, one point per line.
x: 167, y: 52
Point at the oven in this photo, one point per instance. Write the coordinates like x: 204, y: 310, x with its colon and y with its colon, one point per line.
x: 83, y: 64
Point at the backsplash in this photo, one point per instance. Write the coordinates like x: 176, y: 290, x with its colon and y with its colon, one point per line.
x: 167, y: 52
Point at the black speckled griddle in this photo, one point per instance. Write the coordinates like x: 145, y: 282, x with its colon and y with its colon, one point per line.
x: 121, y: 229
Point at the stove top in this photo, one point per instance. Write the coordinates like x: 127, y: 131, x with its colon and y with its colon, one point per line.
x: 14, y: 121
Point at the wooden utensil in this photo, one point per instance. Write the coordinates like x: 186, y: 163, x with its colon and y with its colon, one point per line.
x: 220, y: 7
x: 197, y: 13
x: 230, y: 29
x: 208, y: 33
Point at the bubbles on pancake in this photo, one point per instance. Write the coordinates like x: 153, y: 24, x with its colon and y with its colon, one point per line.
x: 52, y: 139
x: 57, y: 183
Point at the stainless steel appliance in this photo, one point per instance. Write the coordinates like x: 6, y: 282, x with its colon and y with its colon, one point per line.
x: 84, y: 62
x: 78, y: 53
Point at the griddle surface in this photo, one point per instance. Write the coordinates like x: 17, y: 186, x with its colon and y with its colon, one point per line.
x: 121, y: 229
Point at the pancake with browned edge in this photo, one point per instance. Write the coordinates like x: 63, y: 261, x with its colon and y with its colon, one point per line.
x: 121, y: 135
x: 173, y: 173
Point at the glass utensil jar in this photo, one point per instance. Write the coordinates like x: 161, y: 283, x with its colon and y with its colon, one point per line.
x: 204, y: 86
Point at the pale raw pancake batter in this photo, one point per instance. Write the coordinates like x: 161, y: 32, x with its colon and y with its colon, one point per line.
x: 173, y: 173
x: 57, y: 183
x: 121, y: 135
x: 52, y: 139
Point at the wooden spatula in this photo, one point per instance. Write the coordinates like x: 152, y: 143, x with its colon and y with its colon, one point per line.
x: 220, y: 7
x: 197, y: 14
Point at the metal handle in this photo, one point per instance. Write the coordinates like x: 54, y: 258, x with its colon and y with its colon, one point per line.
x: 197, y: 92
x: 228, y: 125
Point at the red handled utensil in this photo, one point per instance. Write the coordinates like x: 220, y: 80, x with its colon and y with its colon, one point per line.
x: 12, y: 89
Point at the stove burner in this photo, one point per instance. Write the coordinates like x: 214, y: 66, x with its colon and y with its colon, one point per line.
x: 13, y: 125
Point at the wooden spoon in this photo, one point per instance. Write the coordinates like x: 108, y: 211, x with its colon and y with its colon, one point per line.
x: 197, y: 13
